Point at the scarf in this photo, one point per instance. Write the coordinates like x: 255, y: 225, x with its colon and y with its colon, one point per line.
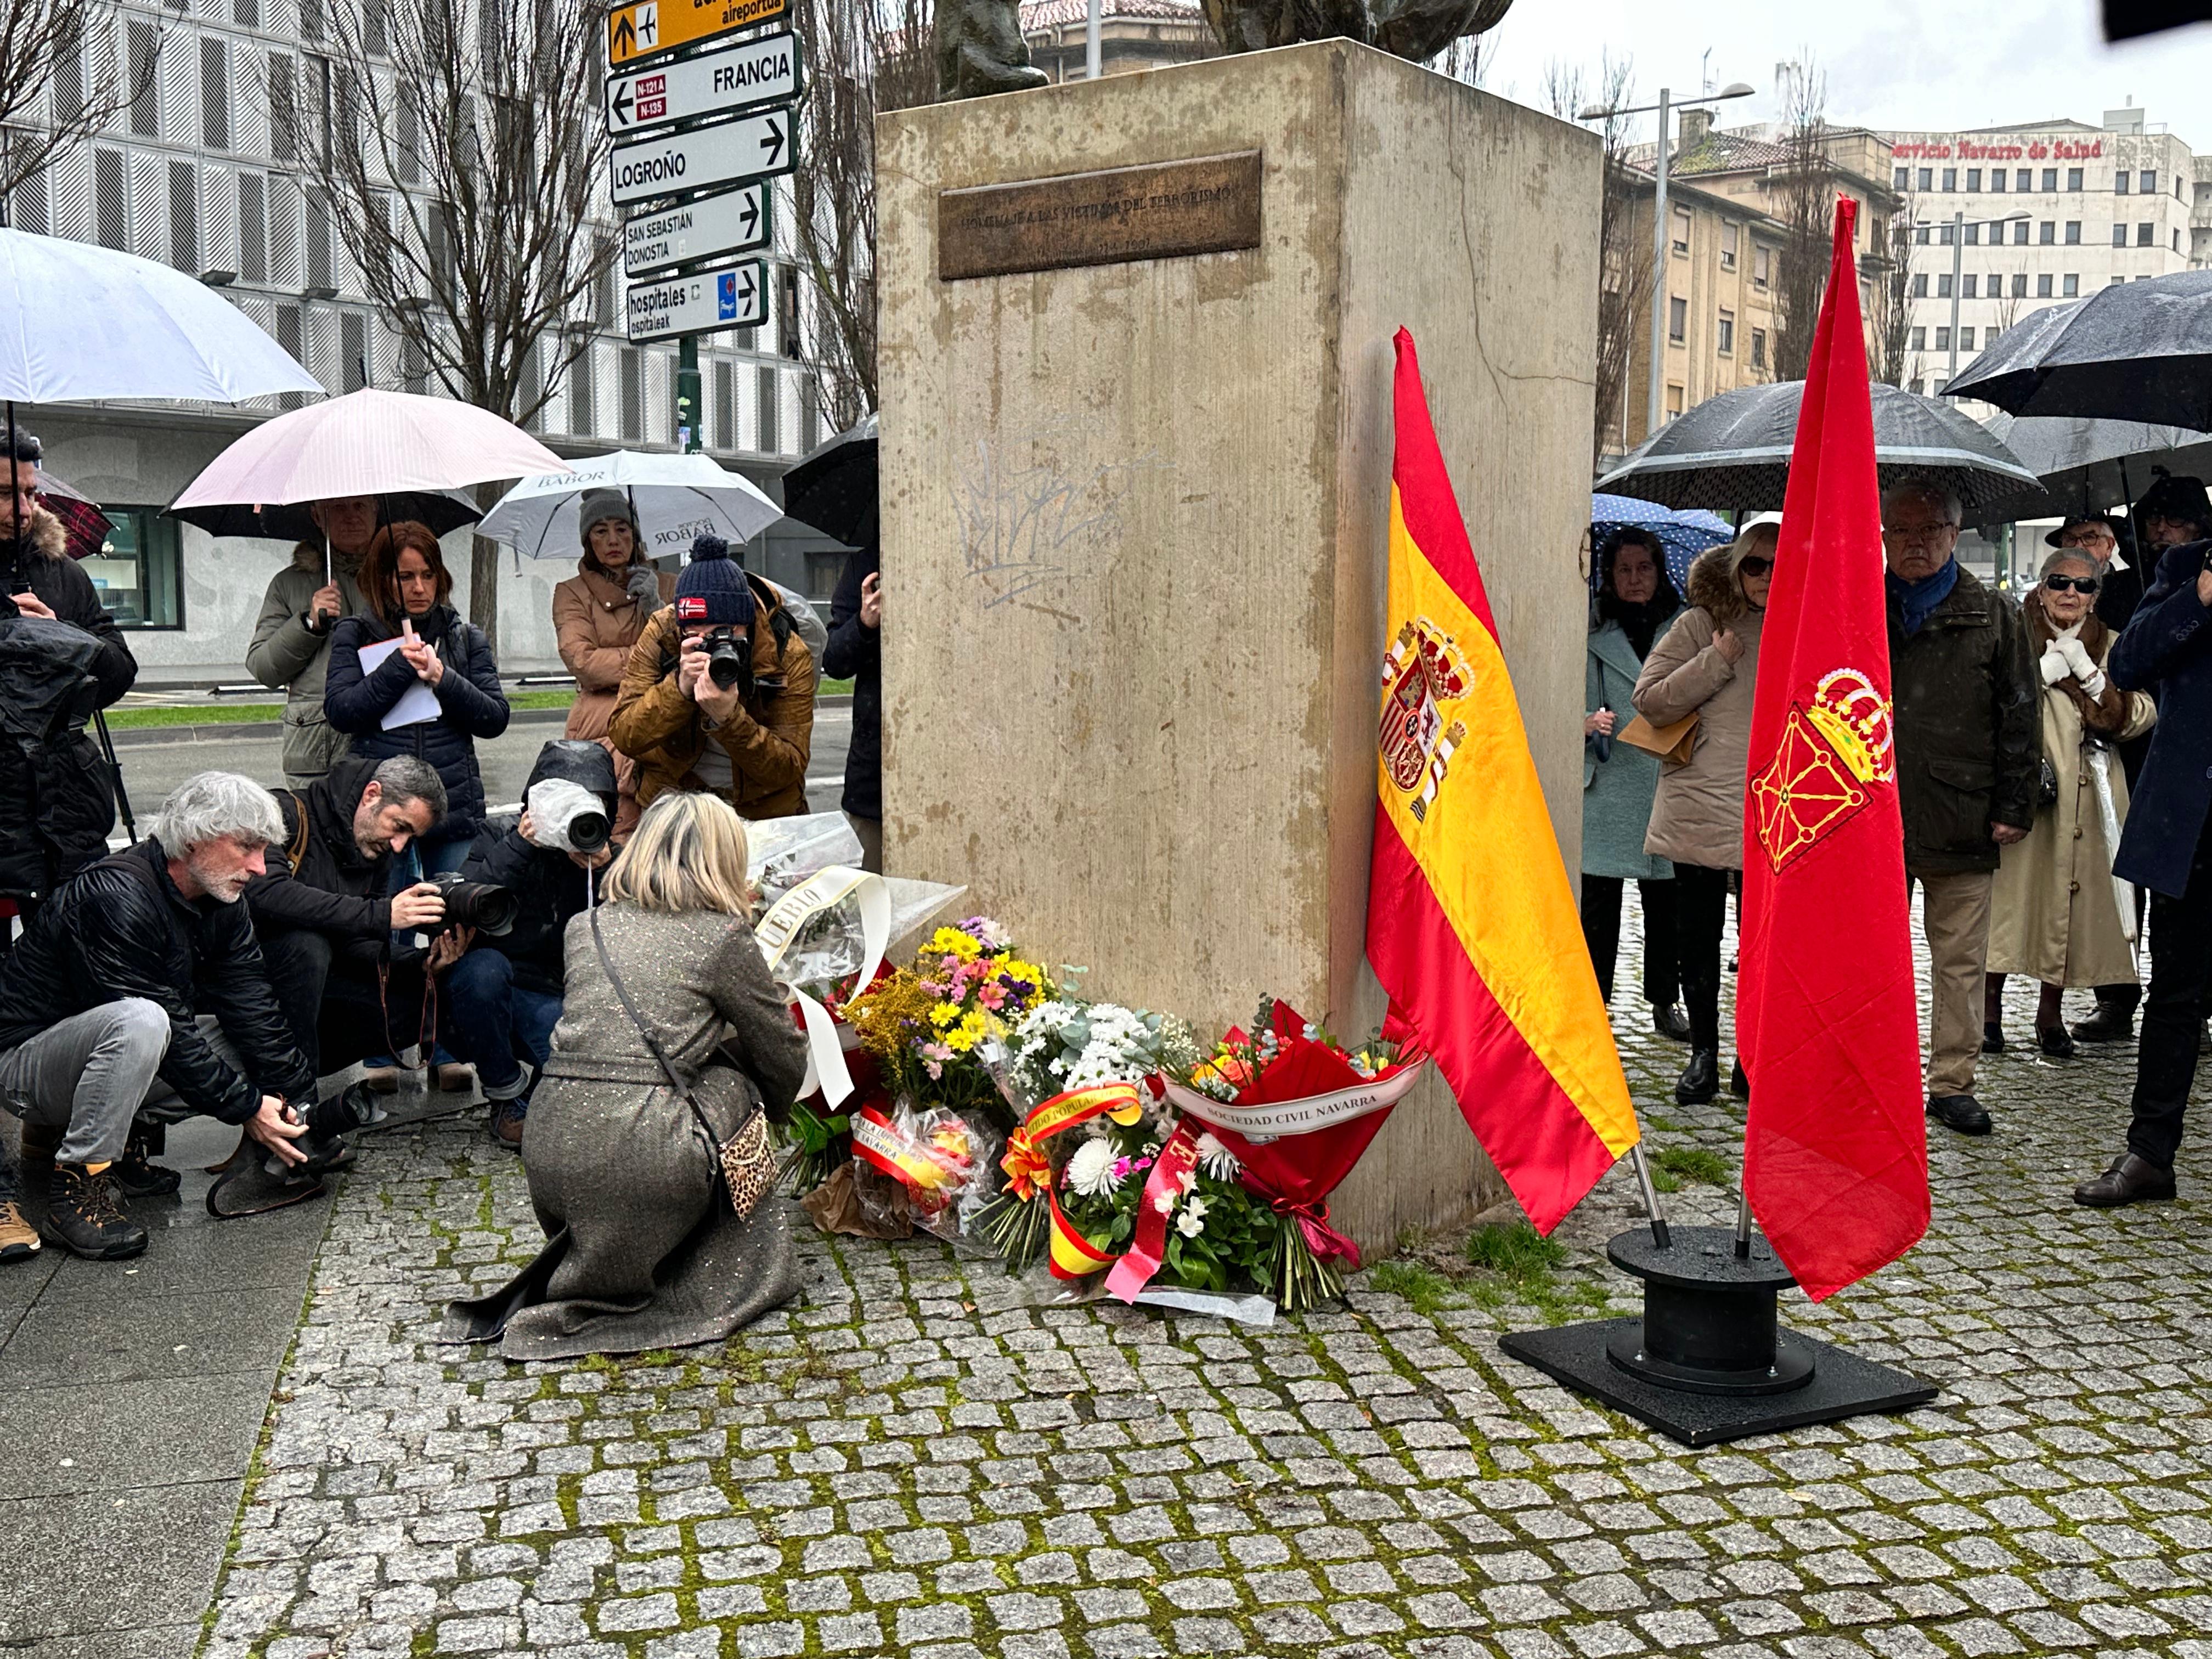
x: 1641, y: 622
x: 1918, y: 599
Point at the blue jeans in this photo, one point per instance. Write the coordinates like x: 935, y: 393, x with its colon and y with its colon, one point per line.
x: 490, y: 1018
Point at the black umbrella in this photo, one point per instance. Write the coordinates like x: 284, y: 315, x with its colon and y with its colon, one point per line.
x: 834, y: 488
x: 2088, y: 466
x: 1733, y: 451
x: 442, y: 510
x: 2133, y: 351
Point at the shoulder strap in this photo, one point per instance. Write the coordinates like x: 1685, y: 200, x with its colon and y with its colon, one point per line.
x: 676, y: 1084
x: 300, y: 830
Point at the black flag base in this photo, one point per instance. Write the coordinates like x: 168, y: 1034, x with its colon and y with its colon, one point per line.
x: 1708, y: 1361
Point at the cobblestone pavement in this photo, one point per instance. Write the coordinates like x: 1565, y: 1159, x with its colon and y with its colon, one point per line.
x: 914, y: 1460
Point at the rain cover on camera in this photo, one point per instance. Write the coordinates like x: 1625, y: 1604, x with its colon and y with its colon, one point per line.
x: 553, y: 803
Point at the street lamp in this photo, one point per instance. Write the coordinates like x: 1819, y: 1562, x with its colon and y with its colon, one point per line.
x: 1600, y: 112
x: 1958, y: 267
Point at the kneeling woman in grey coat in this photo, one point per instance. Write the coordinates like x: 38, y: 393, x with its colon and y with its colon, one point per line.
x: 643, y: 1249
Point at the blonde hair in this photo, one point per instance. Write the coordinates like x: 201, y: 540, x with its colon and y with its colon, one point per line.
x: 688, y: 853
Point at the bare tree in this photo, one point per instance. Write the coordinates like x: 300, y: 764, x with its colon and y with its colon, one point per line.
x: 864, y: 58
x: 1891, y: 317
x: 1624, y: 276
x: 1805, y: 196
x: 456, y: 147
x: 68, y: 45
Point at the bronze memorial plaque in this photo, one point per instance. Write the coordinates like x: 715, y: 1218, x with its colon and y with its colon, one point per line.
x: 1161, y: 211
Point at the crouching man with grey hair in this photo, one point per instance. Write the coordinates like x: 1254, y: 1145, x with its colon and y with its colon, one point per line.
x: 101, y: 1007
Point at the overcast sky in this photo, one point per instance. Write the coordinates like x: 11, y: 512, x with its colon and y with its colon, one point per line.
x: 1888, y: 65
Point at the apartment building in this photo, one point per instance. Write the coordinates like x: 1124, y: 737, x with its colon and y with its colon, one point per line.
x: 1133, y: 35
x: 192, y: 175
x: 2008, y: 219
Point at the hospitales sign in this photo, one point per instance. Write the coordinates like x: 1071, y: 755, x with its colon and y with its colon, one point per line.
x: 735, y: 297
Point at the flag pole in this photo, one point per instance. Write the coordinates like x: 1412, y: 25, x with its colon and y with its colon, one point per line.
x: 1660, y: 1236
x: 1742, y: 1224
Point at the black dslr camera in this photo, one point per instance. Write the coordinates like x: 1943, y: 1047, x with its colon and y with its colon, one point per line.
x: 478, y: 904
x: 728, y: 658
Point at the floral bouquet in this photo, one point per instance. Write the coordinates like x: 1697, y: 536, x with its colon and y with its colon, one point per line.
x: 926, y: 1025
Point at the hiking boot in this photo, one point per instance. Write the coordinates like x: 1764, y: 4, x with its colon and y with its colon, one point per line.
x: 2113, y: 1021
x: 83, y: 1218
x: 137, y: 1173
x: 19, y: 1239
x: 40, y: 1142
x: 507, y: 1121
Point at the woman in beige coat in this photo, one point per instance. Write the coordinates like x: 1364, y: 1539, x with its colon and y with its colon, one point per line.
x: 598, y: 615
x: 2053, y: 912
x: 1707, y: 665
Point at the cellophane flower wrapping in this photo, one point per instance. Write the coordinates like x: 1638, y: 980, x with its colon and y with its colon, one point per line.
x: 927, y: 1023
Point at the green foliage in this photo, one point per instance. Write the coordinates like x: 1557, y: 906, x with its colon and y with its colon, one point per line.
x: 1695, y: 1163
x: 1424, y: 1288
x: 1513, y: 1250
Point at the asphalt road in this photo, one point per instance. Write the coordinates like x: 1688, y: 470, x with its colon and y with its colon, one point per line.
x: 150, y: 771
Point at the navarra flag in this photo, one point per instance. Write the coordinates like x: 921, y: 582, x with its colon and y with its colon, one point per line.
x: 1835, y: 1150
x: 1471, y: 922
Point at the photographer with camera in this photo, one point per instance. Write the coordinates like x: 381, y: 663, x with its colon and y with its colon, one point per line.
x: 505, y: 995
x: 324, y: 912
x: 719, y: 695
x: 144, y: 969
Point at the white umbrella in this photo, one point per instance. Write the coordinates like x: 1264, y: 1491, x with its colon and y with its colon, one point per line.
x: 673, y: 498
x: 80, y: 321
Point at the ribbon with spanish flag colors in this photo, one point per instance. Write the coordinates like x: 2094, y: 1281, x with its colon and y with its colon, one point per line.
x: 1472, y: 924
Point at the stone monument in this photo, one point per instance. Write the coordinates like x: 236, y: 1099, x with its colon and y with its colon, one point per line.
x: 1135, y: 371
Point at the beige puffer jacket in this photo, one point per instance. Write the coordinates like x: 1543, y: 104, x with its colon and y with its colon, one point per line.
x: 1697, y: 817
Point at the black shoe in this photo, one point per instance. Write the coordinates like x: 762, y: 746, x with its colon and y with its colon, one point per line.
x: 84, y: 1220
x: 2053, y: 1041
x: 1739, y: 1085
x: 137, y: 1175
x: 1670, y: 1022
x: 1701, y: 1078
x: 1961, y: 1112
x: 1992, y: 1037
x: 2112, y: 1023
x: 2131, y: 1180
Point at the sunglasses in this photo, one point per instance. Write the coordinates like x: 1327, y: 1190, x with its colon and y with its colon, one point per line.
x: 1754, y: 565
x: 2075, y: 584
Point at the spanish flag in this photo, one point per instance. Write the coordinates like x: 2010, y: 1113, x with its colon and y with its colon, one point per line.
x: 1471, y: 921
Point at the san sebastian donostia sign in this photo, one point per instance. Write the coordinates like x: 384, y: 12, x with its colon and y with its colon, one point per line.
x: 734, y: 221
x: 1975, y: 147
x: 1161, y: 210
x: 760, y: 71
x: 645, y: 28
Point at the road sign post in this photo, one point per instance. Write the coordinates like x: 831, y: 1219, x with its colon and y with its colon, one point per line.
x: 751, y: 73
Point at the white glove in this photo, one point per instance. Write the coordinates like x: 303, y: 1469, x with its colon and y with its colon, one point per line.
x: 2052, y: 664
x: 2078, y: 657
x: 2093, y: 683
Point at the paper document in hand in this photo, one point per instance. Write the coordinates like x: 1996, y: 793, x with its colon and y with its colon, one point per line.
x: 416, y: 704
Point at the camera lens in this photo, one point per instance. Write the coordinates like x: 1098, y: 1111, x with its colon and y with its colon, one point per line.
x: 477, y: 904
x: 724, y: 666
x: 588, y: 831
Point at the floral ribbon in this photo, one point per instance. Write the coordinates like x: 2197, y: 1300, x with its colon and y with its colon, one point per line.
x: 1323, y: 1240
x: 825, y: 1055
x: 1303, y: 1115
x: 1028, y: 1169
x: 925, y: 1170
x: 1171, y: 1173
x: 1069, y: 1254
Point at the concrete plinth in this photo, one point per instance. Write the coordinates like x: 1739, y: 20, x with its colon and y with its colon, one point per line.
x: 1134, y: 521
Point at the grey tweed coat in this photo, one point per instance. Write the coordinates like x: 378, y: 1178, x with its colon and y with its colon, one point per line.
x: 642, y: 1249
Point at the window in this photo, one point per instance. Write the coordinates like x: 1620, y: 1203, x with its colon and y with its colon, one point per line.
x: 1681, y: 231
x: 2073, y: 233
x: 1729, y: 229
x: 2043, y: 286
x: 1974, y: 236
x: 824, y: 571
x: 319, y: 240
x: 1919, y: 284
x: 137, y: 573
x: 1759, y: 347
x: 1943, y: 339
x: 2047, y: 232
x: 2120, y: 235
x: 144, y: 45
x: 2070, y: 286
x: 2146, y: 185
x: 726, y: 404
x: 374, y: 35
x: 310, y: 20
x: 1920, y: 236
x: 633, y: 393
x: 1920, y: 339
x: 2144, y: 236
x: 1967, y: 286
x: 2120, y: 182
x: 1678, y: 320
x: 283, y: 106
x: 2177, y: 241
x: 1943, y: 286
x: 1946, y: 234
x: 1965, y: 339
x: 1973, y: 178
x: 2020, y: 285
x: 1726, y: 344
x: 353, y: 346
x: 765, y: 437
x: 2073, y: 177
x: 110, y: 201
x: 1674, y: 401
x: 253, y: 237
x: 1916, y: 386
x: 2115, y: 282
x: 2051, y: 179
x: 184, y: 217
x: 2021, y: 178
x: 2019, y: 233
x: 582, y: 395
x: 1997, y: 180
x: 786, y: 317
x: 1762, y: 266
x: 246, y: 13
x: 1950, y: 178
x: 214, y: 93
x: 1900, y: 179
x: 1927, y: 178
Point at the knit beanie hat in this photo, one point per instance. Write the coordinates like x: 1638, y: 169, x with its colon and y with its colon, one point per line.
x: 712, y: 588
x: 599, y: 505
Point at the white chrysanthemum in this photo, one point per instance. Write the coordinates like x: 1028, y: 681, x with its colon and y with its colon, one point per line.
x: 1091, y: 1170
x: 1216, y: 1159
x: 1191, y: 1222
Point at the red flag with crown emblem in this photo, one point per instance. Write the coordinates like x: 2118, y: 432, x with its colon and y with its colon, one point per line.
x: 1835, y: 1148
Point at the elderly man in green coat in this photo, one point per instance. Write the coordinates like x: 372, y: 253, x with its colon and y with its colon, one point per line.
x: 1634, y: 604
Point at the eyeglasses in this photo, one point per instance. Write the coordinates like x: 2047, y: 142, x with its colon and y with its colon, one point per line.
x: 1752, y: 565
x: 2089, y: 539
x: 1917, y: 533
x: 2074, y: 583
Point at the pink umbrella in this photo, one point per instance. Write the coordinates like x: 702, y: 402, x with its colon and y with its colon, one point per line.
x: 370, y: 442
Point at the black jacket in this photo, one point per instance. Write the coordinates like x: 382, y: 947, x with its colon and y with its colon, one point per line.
x: 122, y: 929
x: 856, y: 652
x: 57, y: 794
x: 469, y: 702
x: 2167, y: 652
x: 549, y: 888
x: 331, y: 888
x: 1969, y: 727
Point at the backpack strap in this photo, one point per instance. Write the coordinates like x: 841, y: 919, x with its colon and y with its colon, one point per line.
x: 300, y: 828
